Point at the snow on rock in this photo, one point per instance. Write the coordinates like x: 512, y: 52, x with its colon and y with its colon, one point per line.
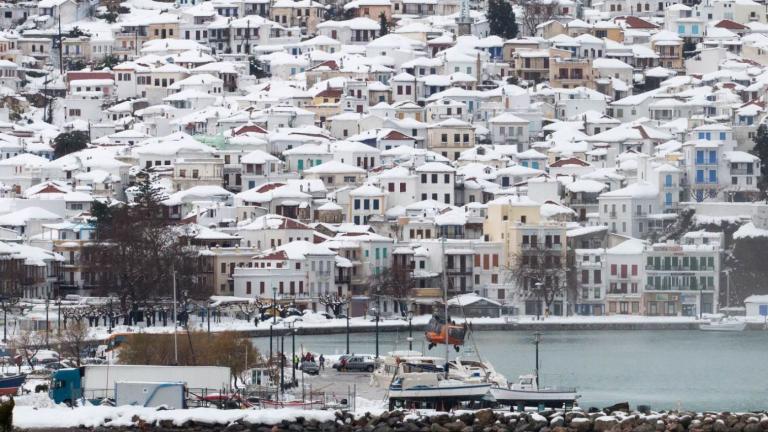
x: 91, y: 416
x: 749, y: 230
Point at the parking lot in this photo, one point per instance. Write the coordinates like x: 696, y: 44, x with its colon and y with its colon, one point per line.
x: 340, y: 384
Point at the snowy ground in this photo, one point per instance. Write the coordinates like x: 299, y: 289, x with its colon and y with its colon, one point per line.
x: 318, y: 321
x: 36, y: 411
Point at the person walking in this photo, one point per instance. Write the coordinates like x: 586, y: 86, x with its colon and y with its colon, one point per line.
x: 322, y: 362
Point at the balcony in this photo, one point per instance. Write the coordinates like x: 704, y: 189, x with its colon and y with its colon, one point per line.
x: 612, y: 215
x: 742, y: 171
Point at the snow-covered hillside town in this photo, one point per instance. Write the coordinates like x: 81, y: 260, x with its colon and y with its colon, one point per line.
x: 538, y: 157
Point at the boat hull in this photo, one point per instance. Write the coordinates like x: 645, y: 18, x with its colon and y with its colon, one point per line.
x: 729, y: 327
x: 548, y: 398
x: 459, y: 393
x: 10, y: 385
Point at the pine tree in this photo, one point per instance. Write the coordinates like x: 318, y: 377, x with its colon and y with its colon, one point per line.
x: 501, y: 19
x: 761, y: 150
x: 383, y: 24
x: 69, y: 142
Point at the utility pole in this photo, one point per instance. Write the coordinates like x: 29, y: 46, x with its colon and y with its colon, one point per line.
x: 348, y: 301
x: 536, y: 340
x: 445, y: 303
x: 61, y: 48
x: 294, y: 363
x: 47, y: 326
x: 175, y: 317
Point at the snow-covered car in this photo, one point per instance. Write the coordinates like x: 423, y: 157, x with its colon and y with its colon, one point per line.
x: 326, y: 315
x: 309, y: 367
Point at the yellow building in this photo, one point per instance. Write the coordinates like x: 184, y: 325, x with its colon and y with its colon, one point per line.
x: 669, y: 47
x: 164, y: 29
x: 534, y: 251
x: 451, y: 137
x: 571, y: 73
x: 301, y: 13
x: 534, y: 65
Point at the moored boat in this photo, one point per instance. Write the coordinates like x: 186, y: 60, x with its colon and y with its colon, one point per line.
x: 433, y: 390
x: 526, y: 392
x: 10, y: 384
x: 724, y: 325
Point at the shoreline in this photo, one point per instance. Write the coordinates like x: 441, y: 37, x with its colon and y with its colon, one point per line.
x: 361, y: 325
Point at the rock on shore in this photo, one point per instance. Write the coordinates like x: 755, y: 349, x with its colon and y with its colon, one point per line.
x: 477, y: 421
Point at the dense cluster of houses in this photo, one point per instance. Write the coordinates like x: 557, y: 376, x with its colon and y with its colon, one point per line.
x: 329, y: 148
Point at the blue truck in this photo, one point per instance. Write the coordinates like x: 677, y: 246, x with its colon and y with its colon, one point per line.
x: 97, y: 382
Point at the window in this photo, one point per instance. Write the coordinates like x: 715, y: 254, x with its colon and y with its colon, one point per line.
x: 402, y: 187
x: 614, y: 269
x: 248, y: 287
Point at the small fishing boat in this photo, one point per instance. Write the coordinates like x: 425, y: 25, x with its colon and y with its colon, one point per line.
x: 527, y: 392
x: 724, y: 325
x: 10, y: 383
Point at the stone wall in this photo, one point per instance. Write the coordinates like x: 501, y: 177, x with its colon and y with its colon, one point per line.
x: 486, y: 421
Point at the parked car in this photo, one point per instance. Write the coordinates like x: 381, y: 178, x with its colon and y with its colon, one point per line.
x: 309, y: 368
x: 355, y: 363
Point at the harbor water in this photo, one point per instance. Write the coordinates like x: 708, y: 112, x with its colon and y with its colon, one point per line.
x: 664, y: 369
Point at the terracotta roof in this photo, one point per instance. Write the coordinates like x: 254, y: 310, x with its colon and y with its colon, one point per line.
x: 731, y: 25
x: 328, y: 63
x: 395, y: 135
x: 250, y: 128
x: 74, y: 76
x: 330, y: 93
x: 637, y: 23
x: 268, y: 187
x: 568, y: 161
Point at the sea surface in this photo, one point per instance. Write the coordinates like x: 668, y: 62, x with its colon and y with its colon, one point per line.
x: 664, y: 369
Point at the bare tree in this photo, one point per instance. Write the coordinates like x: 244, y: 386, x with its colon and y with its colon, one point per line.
x: 333, y: 303
x: 535, y: 12
x: 73, y: 341
x: 27, y: 343
x: 138, y: 251
x: 395, y: 283
x: 538, y: 273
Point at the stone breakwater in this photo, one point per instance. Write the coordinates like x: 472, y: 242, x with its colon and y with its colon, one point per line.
x: 478, y: 421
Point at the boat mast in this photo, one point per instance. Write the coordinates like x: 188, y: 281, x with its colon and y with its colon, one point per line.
x: 445, y: 303
x: 536, y: 340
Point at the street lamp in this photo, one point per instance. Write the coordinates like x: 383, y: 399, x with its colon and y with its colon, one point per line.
x: 348, y: 311
x: 47, y: 326
x: 294, y: 363
x: 270, y: 341
x: 109, y: 316
x: 282, y: 364
x: 376, y: 316
x: 58, y: 316
x: 274, y: 305
x: 4, y: 302
x: 410, y: 330
x: 538, y: 300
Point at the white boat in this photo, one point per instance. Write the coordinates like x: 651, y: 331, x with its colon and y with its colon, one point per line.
x: 526, y: 392
x: 413, y: 389
x: 724, y: 325
x: 475, y: 371
x: 412, y: 361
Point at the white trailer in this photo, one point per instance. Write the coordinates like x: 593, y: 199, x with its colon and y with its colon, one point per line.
x: 150, y: 394
x: 98, y: 381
